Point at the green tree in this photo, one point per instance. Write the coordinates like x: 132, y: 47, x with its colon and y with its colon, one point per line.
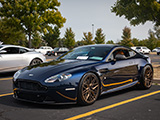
x: 157, y: 32
x: 32, y: 16
x: 79, y: 43
x: 69, y: 38
x: 143, y: 42
x: 87, y: 39
x: 138, y: 11
x: 10, y: 35
x: 36, y: 40
x: 53, y: 38
x: 152, y: 41
x: 126, y: 37
x: 61, y: 42
x: 158, y: 43
x: 135, y: 42
x: 100, y: 37
x: 110, y: 42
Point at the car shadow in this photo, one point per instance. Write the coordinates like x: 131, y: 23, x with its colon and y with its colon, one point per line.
x: 8, y: 74
x: 116, y: 93
x: 10, y: 101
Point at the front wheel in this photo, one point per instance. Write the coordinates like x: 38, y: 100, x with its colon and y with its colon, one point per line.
x: 35, y: 61
x: 146, y: 78
x: 88, y: 89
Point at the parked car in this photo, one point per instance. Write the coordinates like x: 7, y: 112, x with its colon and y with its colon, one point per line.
x: 13, y: 58
x: 44, y: 49
x: 155, y: 49
x: 158, y: 51
x: 143, y: 50
x: 83, y: 74
x: 58, y: 50
x: 134, y: 48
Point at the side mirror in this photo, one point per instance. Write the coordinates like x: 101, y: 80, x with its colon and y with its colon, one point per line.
x: 120, y: 57
x: 3, y: 51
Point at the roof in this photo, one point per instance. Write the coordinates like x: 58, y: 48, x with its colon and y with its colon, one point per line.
x: 14, y: 46
x: 100, y: 45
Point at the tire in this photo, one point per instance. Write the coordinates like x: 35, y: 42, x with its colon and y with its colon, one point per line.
x: 146, y: 78
x: 89, y: 88
x: 35, y: 61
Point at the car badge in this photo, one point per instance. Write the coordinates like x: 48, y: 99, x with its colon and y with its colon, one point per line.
x: 30, y: 75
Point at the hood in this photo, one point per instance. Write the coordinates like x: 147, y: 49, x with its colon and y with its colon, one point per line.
x: 45, y: 70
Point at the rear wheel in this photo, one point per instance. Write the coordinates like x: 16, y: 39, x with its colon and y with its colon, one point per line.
x: 146, y: 78
x: 88, y: 89
x: 35, y: 61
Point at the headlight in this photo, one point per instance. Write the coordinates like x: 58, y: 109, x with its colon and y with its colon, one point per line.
x: 59, y: 77
x: 16, y: 75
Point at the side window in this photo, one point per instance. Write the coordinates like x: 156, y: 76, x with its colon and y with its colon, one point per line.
x: 11, y: 50
x: 120, y: 53
x: 63, y: 49
x: 131, y: 53
x: 111, y: 57
x: 60, y: 49
x: 22, y: 50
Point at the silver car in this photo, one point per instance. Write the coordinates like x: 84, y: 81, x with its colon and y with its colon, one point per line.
x: 13, y: 58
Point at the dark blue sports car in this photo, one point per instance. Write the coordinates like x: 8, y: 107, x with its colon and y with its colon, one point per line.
x: 83, y: 74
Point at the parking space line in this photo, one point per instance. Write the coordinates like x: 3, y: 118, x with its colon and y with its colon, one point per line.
x: 6, y: 78
x: 111, y: 106
x: 2, y: 95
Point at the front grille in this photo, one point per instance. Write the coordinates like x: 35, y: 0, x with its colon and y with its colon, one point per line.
x: 29, y: 85
x: 30, y: 97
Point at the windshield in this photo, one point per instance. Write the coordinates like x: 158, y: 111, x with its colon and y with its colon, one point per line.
x: 87, y: 53
x: 1, y: 46
x: 55, y: 49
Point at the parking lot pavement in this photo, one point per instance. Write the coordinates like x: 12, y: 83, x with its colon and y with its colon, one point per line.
x: 130, y: 104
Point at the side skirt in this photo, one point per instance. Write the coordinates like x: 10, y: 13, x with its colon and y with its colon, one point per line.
x: 120, y: 88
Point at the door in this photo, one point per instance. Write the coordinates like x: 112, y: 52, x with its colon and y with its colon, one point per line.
x: 11, y: 59
x: 121, y: 70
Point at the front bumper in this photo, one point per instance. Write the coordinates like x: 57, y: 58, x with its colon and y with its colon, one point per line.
x: 51, y: 95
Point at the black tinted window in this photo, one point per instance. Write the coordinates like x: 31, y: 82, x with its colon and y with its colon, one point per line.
x: 11, y: 50
x: 138, y: 47
x: 22, y: 50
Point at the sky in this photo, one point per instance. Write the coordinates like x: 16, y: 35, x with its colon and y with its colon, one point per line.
x: 89, y: 15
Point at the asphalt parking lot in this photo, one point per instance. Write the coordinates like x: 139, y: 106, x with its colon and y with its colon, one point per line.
x: 129, y: 104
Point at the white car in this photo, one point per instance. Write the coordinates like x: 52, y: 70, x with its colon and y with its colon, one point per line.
x: 44, y: 49
x: 143, y: 50
x: 133, y: 48
x: 13, y: 58
x: 156, y: 49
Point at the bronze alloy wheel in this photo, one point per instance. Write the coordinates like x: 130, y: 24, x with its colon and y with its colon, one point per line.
x: 89, y: 89
x: 148, y: 76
